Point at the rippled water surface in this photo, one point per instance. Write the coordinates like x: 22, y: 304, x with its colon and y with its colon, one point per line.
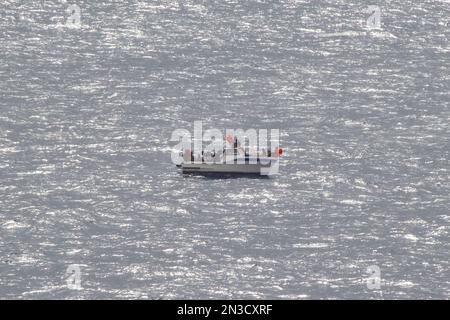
x: 85, y: 170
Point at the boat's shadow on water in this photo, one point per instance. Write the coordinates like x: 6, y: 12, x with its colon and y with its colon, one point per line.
x: 219, y: 176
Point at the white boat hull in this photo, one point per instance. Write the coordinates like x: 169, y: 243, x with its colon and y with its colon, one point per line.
x: 269, y: 168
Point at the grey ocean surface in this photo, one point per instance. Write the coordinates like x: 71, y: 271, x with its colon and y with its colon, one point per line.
x: 87, y: 179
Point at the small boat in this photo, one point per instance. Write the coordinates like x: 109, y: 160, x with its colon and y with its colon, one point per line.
x: 234, y: 160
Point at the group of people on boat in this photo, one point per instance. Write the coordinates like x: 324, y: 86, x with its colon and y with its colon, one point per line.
x: 236, y: 148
